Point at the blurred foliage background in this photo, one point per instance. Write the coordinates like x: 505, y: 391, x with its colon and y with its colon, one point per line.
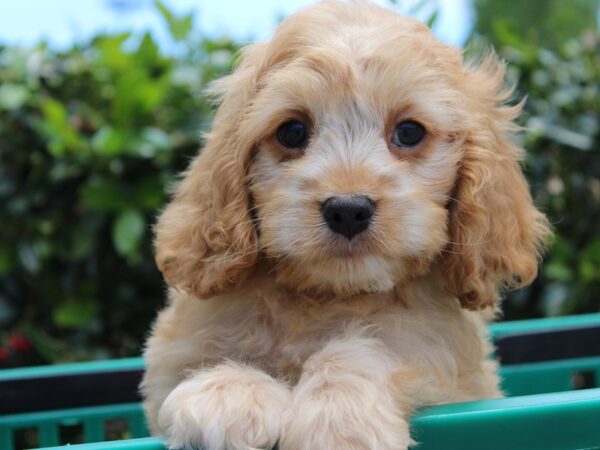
x: 90, y: 139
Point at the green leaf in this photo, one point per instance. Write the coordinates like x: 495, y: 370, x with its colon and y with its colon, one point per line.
x: 150, y: 193
x: 8, y: 258
x: 55, y: 126
x: 81, y: 243
x: 109, y: 141
x: 558, y: 271
x: 589, y: 265
x: 136, y: 93
x: 179, y: 27
x: 554, y: 299
x: 103, y: 195
x: 43, y: 248
x: 433, y: 18
x: 152, y: 141
x: 29, y: 258
x: 13, y: 96
x: 74, y: 313
x: 127, y: 232
x: 55, y: 113
x: 111, y: 52
x: 49, y: 347
x: 148, y: 53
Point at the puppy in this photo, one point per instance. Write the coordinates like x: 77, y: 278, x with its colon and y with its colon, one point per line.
x: 337, y: 247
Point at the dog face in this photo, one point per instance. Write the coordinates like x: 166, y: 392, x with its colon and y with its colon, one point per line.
x: 351, y: 153
x: 357, y: 163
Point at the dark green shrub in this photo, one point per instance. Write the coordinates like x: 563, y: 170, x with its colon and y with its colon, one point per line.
x: 89, y: 141
x: 553, y: 51
x: 562, y: 136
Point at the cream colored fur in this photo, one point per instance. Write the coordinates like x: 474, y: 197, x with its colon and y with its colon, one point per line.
x: 279, y: 330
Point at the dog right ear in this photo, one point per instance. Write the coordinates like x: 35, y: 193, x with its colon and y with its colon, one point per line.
x: 205, y: 241
x: 497, y: 235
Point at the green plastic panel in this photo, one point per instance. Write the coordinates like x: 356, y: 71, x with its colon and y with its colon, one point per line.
x: 110, y: 365
x: 539, y: 413
x: 130, y: 444
x: 563, y: 421
x: 545, y: 377
x: 92, y: 419
x: 539, y: 325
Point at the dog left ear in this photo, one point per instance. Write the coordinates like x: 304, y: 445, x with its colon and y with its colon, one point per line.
x: 496, y: 234
x: 205, y: 240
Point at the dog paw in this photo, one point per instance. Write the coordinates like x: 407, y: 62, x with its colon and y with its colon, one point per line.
x: 328, y: 426
x: 343, y: 402
x: 229, y: 407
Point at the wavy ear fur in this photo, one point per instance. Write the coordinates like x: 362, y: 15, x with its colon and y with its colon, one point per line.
x: 496, y: 234
x: 205, y: 241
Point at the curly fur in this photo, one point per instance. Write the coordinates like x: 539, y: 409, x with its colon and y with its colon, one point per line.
x: 279, y: 330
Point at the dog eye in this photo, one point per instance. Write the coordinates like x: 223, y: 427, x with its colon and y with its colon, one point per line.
x: 408, y: 134
x: 292, y: 134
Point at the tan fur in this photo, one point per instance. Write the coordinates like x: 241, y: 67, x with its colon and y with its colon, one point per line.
x: 278, y: 329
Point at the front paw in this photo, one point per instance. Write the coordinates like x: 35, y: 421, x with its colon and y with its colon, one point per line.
x: 331, y: 423
x: 345, y: 402
x: 228, y: 407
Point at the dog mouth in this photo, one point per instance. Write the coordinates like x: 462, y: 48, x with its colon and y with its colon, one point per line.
x: 358, y: 247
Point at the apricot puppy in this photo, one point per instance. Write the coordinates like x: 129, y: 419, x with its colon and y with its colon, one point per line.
x: 337, y: 247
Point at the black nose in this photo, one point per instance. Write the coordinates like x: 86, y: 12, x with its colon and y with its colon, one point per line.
x: 348, y: 215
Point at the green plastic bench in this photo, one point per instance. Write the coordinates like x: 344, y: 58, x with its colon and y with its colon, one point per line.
x: 550, y: 370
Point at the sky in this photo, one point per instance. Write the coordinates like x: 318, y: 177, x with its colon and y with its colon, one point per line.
x: 62, y: 22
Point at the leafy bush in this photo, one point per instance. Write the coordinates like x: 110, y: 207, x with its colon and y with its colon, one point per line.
x: 91, y: 138
x: 562, y: 123
x: 553, y: 52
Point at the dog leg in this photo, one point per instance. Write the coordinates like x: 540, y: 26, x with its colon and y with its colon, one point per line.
x: 227, y: 407
x: 345, y: 401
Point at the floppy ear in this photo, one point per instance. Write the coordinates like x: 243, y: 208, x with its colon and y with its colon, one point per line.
x: 496, y: 234
x: 205, y: 241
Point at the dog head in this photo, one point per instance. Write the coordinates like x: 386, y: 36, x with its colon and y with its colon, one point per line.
x: 351, y: 153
